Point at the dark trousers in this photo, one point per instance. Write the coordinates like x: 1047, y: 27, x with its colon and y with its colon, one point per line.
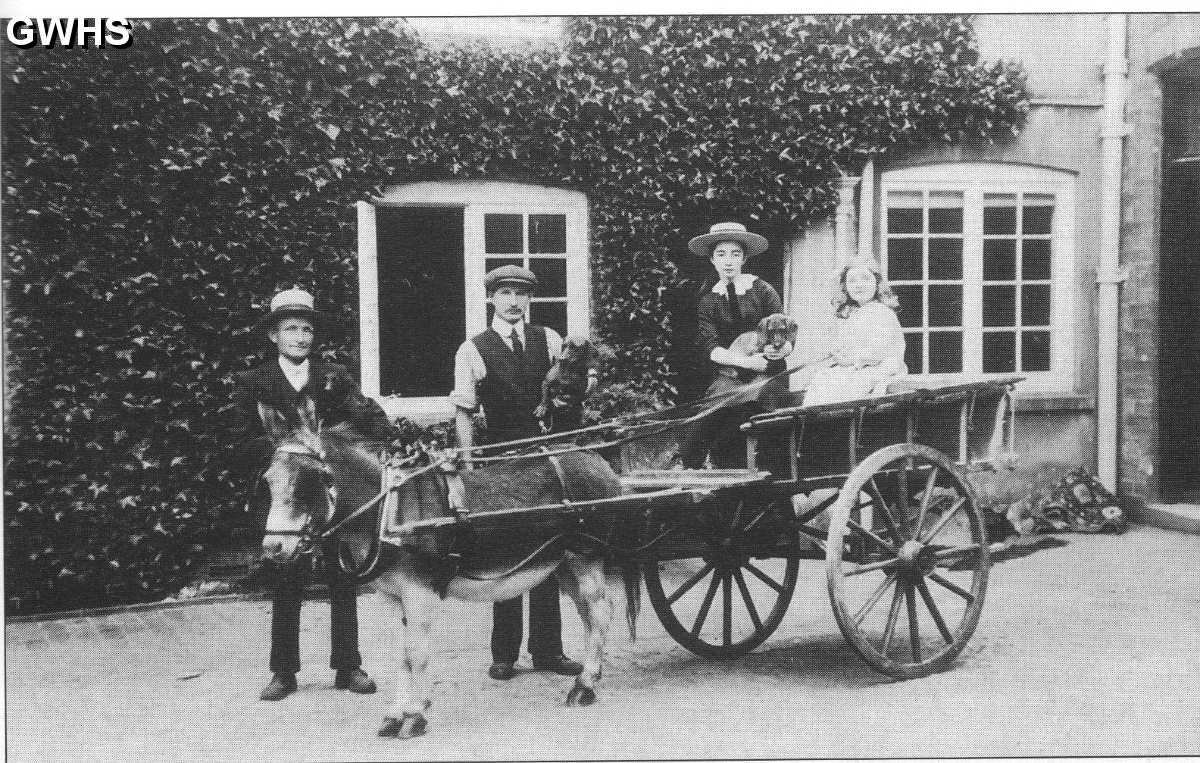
x: 545, y: 624
x: 719, y: 431
x: 343, y: 621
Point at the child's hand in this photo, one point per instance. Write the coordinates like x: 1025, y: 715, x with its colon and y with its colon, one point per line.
x: 756, y: 362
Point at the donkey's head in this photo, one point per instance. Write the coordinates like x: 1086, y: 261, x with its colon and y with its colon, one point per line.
x: 303, y: 495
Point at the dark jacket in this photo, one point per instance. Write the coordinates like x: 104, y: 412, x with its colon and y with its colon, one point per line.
x: 330, y: 386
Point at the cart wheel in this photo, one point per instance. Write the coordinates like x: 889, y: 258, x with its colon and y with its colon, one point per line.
x: 754, y: 592
x: 907, y: 536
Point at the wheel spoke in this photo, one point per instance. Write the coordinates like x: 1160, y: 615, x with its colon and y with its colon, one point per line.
x: 879, y: 541
x: 893, y: 617
x: 727, y: 602
x: 944, y: 520
x: 750, y: 608
x: 691, y: 583
x: 875, y: 597
x: 925, y: 496
x: 902, y: 483
x: 914, y: 633
x: 944, y: 583
x: 888, y: 519
x: 950, y: 553
x: 763, y: 577
x: 864, y: 568
x: 702, y: 615
x: 923, y: 587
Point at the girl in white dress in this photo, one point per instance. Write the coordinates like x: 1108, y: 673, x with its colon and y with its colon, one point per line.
x: 867, y: 345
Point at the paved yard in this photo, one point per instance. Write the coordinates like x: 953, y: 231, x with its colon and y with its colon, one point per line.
x: 1087, y: 649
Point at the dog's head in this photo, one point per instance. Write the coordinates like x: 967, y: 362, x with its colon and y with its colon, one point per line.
x: 777, y: 336
x: 578, y: 353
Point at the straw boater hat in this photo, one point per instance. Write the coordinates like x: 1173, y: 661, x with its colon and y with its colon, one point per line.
x: 293, y: 303
x: 509, y: 274
x: 752, y: 243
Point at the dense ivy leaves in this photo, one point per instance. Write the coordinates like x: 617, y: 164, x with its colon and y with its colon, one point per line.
x: 155, y: 197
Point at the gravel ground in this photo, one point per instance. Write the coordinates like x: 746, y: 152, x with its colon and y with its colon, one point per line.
x: 1086, y: 649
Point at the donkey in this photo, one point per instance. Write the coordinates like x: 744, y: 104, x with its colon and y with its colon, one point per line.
x: 317, y: 478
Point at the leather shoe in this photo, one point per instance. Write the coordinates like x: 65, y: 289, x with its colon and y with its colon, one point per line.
x: 282, y: 684
x: 502, y: 671
x: 558, y: 664
x: 355, y: 680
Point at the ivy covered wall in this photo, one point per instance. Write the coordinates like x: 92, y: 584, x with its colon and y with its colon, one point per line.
x: 155, y: 197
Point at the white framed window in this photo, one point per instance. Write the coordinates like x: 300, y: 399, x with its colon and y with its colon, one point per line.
x: 423, y: 251
x: 982, y: 258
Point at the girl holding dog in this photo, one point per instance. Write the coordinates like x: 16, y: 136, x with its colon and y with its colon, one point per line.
x: 734, y: 305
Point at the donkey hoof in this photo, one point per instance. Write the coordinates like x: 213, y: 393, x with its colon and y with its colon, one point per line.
x: 580, y: 696
x: 390, y: 727
x: 412, y: 726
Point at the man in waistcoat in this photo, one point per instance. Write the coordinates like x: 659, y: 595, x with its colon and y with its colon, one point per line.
x: 501, y: 370
x: 285, y: 381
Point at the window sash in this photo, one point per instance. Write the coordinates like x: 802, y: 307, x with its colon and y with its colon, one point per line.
x: 974, y: 182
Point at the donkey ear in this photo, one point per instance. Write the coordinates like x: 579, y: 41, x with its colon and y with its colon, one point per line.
x: 274, y: 423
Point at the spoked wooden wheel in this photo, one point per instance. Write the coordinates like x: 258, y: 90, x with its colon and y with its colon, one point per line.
x: 726, y: 602
x: 907, y: 561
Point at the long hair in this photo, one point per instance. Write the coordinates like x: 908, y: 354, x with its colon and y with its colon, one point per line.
x: 842, y: 303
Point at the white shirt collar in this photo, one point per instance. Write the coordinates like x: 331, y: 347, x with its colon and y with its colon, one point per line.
x: 296, y: 373
x: 505, y: 329
x: 741, y: 284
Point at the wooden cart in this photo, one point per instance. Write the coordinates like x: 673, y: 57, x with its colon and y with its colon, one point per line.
x: 877, y: 488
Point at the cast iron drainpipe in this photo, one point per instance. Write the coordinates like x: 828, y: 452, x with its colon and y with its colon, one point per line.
x: 1109, y: 273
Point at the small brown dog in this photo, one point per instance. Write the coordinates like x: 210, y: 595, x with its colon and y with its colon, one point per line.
x: 567, y: 385
x: 775, y: 338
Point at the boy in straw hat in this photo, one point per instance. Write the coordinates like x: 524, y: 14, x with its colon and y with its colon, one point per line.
x: 501, y: 369
x: 284, y: 382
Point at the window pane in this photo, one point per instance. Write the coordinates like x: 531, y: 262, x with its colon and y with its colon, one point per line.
x: 1035, y: 259
x: 945, y: 305
x: 914, y: 352
x: 502, y: 234
x: 999, y: 352
x: 904, y: 259
x: 945, y: 220
x: 911, y: 312
x: 999, y: 259
x: 552, y: 276
x: 999, y: 305
x: 1035, y: 305
x: 945, y: 352
x: 945, y: 259
x: 1035, y: 351
x: 1036, y: 219
x: 998, y: 221
x: 905, y: 220
x: 552, y: 314
x: 547, y: 234
x: 491, y: 263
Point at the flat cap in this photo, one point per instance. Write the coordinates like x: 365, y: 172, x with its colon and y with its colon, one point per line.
x: 509, y: 274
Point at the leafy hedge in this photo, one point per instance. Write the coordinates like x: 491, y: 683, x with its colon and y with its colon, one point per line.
x: 155, y: 197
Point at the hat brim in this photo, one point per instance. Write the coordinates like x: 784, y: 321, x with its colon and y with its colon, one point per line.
x: 752, y: 243
x: 511, y: 282
x: 271, y: 321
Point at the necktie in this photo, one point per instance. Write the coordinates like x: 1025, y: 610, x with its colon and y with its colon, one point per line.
x: 735, y: 309
x: 518, y: 349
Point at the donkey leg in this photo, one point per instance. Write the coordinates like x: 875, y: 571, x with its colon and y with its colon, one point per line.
x: 414, y: 610
x: 583, y: 581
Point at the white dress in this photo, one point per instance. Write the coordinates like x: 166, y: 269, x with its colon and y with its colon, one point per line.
x: 874, y: 343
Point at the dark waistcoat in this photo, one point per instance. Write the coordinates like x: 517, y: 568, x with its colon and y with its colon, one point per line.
x: 512, y: 387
